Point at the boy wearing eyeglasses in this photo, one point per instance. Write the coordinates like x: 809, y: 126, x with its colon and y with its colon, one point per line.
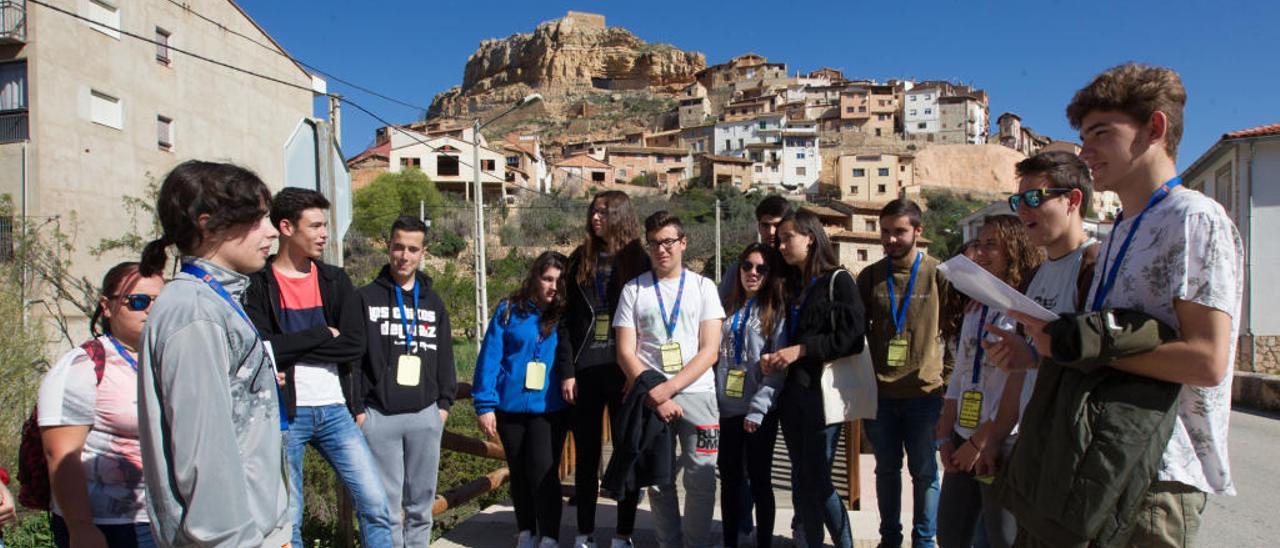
x: 668, y: 320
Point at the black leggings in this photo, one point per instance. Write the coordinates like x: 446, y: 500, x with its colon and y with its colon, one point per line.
x: 598, y: 387
x: 533, y: 443
x: 737, y: 445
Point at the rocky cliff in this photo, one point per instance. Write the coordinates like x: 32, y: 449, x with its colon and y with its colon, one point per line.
x: 564, y: 59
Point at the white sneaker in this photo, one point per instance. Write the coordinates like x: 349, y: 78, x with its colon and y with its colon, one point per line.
x: 548, y: 542
x: 584, y: 541
x: 526, y: 540
x: 620, y: 543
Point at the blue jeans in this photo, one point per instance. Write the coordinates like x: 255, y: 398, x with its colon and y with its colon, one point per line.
x: 811, y: 446
x: 906, y: 424
x: 125, y: 535
x: 331, y: 430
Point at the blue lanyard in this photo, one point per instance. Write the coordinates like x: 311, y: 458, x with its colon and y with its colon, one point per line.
x: 899, y: 311
x: 793, y: 320
x: 216, y: 286
x: 675, y: 310
x: 978, y: 354
x: 739, y: 329
x: 123, y: 353
x: 405, y: 324
x: 1109, y: 276
x: 602, y: 287
x: 537, y: 345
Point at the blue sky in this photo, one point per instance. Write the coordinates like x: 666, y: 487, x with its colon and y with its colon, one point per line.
x: 1030, y: 56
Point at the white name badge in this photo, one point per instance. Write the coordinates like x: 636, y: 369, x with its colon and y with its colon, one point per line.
x: 408, y: 370
x: 535, y: 376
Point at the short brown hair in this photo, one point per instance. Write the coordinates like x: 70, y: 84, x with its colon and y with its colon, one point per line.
x: 663, y: 219
x: 1138, y: 91
x: 1063, y: 170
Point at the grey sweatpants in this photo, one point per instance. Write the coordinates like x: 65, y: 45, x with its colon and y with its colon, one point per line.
x: 406, y: 447
x: 698, y: 432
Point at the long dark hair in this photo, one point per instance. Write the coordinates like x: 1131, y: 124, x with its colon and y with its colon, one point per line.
x: 621, y: 232
x: 117, y: 281
x: 229, y: 194
x: 821, y: 258
x: 522, y: 298
x: 771, y: 298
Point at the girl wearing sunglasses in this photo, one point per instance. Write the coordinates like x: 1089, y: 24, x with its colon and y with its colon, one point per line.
x: 748, y: 423
x: 89, y: 422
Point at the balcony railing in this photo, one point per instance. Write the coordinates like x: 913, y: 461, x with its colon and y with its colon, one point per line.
x: 13, y: 21
x: 13, y: 126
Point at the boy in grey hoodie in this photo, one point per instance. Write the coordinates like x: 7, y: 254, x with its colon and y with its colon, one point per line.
x: 208, y: 408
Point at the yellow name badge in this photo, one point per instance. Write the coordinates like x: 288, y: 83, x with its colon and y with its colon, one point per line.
x: 970, y: 409
x: 733, y: 384
x: 672, y: 359
x: 897, y: 356
x: 602, y: 327
x: 408, y: 370
x: 535, y: 376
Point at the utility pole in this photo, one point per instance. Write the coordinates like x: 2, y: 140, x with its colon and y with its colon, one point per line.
x: 719, y: 275
x: 482, y: 293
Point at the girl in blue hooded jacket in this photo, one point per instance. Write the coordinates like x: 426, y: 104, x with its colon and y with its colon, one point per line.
x: 516, y: 392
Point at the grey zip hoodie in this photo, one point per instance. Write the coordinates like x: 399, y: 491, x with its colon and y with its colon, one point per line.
x: 209, y: 419
x: 760, y: 391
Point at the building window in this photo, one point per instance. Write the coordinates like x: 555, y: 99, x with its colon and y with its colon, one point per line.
x: 447, y: 165
x: 105, y: 109
x: 882, y: 117
x: 880, y: 189
x: 406, y: 163
x: 883, y: 172
x: 853, y: 190
x: 859, y: 172
x: 13, y: 101
x: 800, y: 155
x: 513, y: 161
x: 869, y: 225
x: 105, y: 16
x: 862, y: 109
x: 849, y: 109
x: 741, y: 143
x: 922, y: 125
x: 928, y: 111
x: 878, y: 132
x: 164, y: 132
x: 1224, y: 187
x: 800, y: 171
x: 912, y: 98
x: 728, y: 144
x: 597, y: 176
x: 487, y: 165
x: 902, y: 168
x: 759, y: 169
x: 773, y: 169
x: 912, y: 112
x: 162, y: 46
x: 862, y: 255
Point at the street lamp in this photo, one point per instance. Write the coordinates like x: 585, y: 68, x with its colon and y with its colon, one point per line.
x: 482, y: 292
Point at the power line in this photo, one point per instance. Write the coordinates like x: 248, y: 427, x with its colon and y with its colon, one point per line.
x: 278, y: 50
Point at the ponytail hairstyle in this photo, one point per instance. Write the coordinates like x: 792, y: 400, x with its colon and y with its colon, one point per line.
x: 117, y: 281
x: 229, y: 194
x: 522, y: 298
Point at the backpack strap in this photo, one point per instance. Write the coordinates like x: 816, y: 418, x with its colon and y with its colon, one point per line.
x: 98, y: 353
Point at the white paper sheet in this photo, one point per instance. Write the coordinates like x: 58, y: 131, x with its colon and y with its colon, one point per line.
x: 984, y: 287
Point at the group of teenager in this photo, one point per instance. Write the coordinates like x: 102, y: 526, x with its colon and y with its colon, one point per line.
x: 183, y: 422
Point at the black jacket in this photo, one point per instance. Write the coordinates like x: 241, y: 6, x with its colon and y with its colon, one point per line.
x: 643, y: 445
x: 384, y: 344
x: 578, y: 321
x: 823, y: 341
x: 317, y: 345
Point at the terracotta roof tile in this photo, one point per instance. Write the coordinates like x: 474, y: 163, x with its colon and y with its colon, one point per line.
x: 1260, y: 131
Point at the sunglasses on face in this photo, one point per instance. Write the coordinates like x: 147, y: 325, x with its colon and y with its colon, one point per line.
x: 760, y: 268
x: 1034, y: 197
x: 136, y: 302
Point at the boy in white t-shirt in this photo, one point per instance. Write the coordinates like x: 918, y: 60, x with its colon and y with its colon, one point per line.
x: 668, y: 320
x: 1175, y: 255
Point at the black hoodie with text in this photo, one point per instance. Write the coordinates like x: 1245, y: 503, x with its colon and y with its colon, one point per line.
x: 385, y: 342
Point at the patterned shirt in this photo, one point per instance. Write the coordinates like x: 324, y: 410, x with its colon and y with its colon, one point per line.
x: 1186, y: 249
x: 112, y: 459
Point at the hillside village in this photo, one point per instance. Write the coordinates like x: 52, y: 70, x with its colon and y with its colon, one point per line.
x: 620, y: 113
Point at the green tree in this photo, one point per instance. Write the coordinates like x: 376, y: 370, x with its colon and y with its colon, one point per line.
x: 942, y: 219
x: 391, y: 195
